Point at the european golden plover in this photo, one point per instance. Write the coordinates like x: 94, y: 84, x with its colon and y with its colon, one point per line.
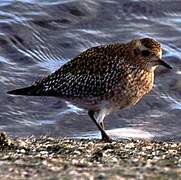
x: 103, y: 79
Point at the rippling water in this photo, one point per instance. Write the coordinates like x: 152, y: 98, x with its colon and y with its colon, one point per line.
x: 37, y: 37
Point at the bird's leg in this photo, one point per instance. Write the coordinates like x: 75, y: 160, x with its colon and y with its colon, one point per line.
x: 102, y: 125
x: 105, y: 137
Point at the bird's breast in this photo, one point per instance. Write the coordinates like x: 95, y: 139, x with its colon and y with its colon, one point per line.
x: 132, y: 88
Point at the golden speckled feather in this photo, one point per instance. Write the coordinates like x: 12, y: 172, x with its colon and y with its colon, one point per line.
x: 103, y: 79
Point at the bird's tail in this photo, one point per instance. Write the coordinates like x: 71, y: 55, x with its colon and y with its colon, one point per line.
x: 28, y: 91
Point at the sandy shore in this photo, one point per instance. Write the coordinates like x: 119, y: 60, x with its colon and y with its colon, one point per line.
x: 51, y: 158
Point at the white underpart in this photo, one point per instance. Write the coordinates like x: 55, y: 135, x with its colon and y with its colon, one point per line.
x: 101, y: 115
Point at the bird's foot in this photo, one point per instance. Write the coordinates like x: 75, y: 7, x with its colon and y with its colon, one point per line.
x: 106, y: 138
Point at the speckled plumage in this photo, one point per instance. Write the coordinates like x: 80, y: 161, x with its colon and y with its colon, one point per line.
x: 103, y: 79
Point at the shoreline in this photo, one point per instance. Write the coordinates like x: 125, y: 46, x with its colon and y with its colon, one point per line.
x: 55, y: 158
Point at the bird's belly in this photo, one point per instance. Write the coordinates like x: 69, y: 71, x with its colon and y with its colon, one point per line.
x: 89, y: 103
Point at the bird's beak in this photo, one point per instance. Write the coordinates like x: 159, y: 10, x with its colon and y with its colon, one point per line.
x: 163, y: 63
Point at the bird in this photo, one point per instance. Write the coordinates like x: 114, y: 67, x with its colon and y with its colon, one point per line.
x: 103, y: 79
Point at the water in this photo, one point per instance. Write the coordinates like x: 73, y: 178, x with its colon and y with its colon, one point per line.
x: 37, y: 37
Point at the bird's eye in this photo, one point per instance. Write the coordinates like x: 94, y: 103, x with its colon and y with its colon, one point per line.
x: 145, y: 53
x: 136, y: 52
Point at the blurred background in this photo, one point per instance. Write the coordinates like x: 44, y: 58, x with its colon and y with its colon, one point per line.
x: 38, y: 36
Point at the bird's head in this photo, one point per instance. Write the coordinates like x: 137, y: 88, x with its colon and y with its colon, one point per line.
x: 149, y: 52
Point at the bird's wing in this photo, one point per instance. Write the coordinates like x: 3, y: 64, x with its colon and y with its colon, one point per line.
x: 93, y: 73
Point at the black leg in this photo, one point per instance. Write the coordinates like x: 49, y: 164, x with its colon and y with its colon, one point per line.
x: 102, y: 125
x: 105, y: 137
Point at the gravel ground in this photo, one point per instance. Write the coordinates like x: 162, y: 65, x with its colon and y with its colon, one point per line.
x: 51, y: 158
